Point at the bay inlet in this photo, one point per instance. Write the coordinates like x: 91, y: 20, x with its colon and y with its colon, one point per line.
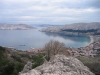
x: 27, y: 39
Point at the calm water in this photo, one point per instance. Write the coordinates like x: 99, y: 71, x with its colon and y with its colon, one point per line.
x: 27, y: 39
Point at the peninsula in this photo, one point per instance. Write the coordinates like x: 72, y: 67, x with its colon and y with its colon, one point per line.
x: 15, y: 27
x: 92, y: 28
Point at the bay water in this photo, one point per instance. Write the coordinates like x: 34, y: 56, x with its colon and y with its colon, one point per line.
x: 27, y: 39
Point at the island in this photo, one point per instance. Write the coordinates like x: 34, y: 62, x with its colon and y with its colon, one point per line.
x: 15, y: 27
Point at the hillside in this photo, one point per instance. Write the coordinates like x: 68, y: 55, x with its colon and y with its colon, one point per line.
x: 15, y: 27
x: 12, y: 61
x: 76, y: 28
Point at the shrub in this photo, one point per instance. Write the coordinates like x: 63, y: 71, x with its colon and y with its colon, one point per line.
x: 16, y: 58
x: 37, y: 60
x: 54, y: 47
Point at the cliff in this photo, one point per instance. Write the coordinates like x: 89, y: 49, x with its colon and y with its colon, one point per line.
x: 60, y: 65
x: 76, y: 28
x: 15, y: 27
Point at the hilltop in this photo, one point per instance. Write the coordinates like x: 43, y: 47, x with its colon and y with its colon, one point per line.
x: 76, y: 29
x: 15, y: 27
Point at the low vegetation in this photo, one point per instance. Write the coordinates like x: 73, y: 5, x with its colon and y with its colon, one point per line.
x: 12, y: 62
x: 37, y: 60
x: 92, y: 63
x: 7, y: 66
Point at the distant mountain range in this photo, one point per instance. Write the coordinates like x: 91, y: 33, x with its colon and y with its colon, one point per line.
x: 15, y: 27
x: 76, y: 29
x: 43, y: 25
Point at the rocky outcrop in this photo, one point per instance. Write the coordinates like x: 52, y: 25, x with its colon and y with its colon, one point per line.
x: 76, y: 29
x: 61, y: 65
x: 15, y: 27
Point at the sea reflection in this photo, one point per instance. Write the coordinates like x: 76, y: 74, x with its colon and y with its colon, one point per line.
x: 75, y: 38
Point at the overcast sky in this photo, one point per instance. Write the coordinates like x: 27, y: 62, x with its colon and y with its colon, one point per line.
x: 49, y: 11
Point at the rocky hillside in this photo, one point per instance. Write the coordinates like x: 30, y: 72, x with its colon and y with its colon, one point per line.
x: 60, y: 65
x: 15, y: 27
x: 12, y: 61
x: 76, y: 28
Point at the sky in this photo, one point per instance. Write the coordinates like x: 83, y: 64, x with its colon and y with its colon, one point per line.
x: 56, y: 12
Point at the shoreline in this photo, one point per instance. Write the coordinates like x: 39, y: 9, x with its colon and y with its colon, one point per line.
x: 92, y: 40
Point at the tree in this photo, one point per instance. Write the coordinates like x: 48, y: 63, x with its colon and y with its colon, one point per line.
x: 54, y: 47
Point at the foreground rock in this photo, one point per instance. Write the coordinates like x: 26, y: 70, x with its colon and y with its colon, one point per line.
x: 61, y: 65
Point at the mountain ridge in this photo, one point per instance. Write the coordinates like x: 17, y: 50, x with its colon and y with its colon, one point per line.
x: 76, y: 28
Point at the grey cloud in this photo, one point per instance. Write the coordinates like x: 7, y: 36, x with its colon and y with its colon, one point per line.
x: 81, y: 5
x: 48, y: 11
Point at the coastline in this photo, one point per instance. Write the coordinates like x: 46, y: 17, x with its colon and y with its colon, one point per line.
x: 92, y: 40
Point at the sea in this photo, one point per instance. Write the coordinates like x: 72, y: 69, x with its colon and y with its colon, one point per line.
x: 27, y: 39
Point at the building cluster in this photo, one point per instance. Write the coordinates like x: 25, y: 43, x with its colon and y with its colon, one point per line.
x: 35, y: 50
x: 90, y: 50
